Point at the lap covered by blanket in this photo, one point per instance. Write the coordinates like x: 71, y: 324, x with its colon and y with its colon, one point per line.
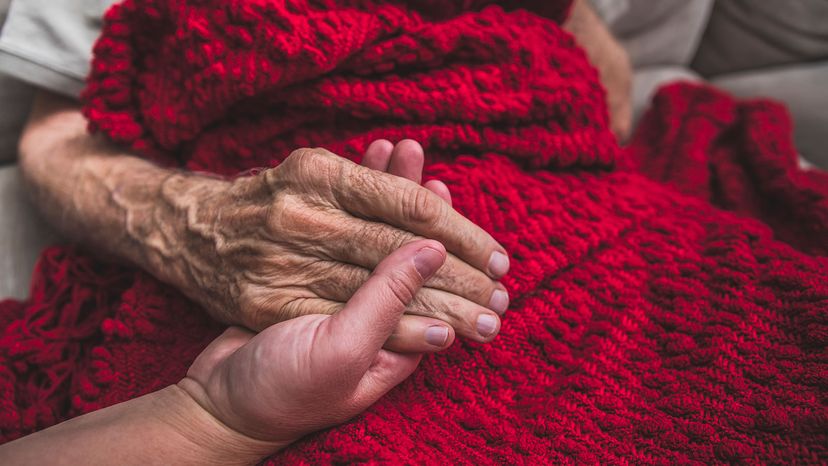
x: 670, y: 300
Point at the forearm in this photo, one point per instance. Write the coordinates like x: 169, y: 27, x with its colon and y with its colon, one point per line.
x: 165, y: 427
x: 260, y: 249
x: 98, y: 195
x: 81, y: 184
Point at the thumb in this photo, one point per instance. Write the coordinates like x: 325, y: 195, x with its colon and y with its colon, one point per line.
x: 367, y: 320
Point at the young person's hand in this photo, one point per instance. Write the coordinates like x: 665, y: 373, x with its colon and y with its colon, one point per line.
x: 314, y: 371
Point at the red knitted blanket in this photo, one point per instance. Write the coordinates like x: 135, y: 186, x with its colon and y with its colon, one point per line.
x: 670, y: 300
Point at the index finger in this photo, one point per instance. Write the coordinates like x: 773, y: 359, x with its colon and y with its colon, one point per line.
x: 407, y: 205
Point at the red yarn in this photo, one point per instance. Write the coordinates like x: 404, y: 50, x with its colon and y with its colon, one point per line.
x: 647, y: 325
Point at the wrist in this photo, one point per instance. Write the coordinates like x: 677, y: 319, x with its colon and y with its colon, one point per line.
x: 200, y: 437
x: 173, y: 231
x: 164, y: 427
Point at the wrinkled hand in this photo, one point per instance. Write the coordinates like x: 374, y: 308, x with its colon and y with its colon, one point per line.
x: 301, y: 238
x: 314, y: 371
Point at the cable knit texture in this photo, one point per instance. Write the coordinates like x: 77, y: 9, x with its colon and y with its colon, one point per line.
x: 670, y: 301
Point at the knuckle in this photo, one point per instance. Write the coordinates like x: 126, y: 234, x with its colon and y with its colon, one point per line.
x: 282, y: 210
x: 264, y: 306
x: 312, y: 164
x: 425, y: 304
x: 337, y: 281
x: 291, y: 218
x: 296, y: 220
x: 299, y: 157
x: 301, y: 304
x: 469, y: 241
x: 402, y: 287
x: 367, y: 180
x: 455, y: 310
x: 293, y: 307
x: 385, y: 238
x: 272, y: 178
x: 420, y: 206
x: 461, y: 279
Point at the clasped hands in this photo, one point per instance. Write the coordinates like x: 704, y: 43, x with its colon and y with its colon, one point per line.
x: 301, y: 238
x: 328, y: 223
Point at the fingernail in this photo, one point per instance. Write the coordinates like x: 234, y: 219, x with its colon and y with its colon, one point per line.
x: 498, y: 264
x: 486, y: 325
x: 436, y: 335
x: 427, y: 261
x: 499, y: 302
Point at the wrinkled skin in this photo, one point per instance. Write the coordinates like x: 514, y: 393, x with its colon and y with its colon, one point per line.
x: 293, y: 240
x: 301, y: 238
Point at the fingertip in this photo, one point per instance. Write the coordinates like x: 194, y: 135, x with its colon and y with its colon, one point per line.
x: 439, y: 337
x: 378, y: 155
x: 410, y: 144
x: 382, y: 145
x: 419, y: 334
x: 439, y: 188
x: 488, y: 326
x: 499, y: 301
x: 499, y: 264
x: 407, y: 160
x: 430, y: 256
x: 429, y: 259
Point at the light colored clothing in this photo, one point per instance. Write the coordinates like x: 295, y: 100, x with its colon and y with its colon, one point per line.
x: 48, y: 43
x: 45, y: 44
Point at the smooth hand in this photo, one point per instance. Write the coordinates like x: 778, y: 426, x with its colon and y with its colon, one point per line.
x: 314, y: 371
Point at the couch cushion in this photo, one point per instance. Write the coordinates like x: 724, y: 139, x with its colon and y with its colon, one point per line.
x: 749, y: 34
x: 659, y: 33
x: 803, y: 89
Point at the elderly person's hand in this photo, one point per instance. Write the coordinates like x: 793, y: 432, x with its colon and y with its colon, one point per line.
x: 294, y: 240
x: 247, y: 396
x: 300, y: 238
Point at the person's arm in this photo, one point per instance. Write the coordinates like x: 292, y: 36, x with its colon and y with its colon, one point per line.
x: 90, y: 190
x: 164, y: 427
x: 256, y: 250
x: 247, y: 396
x: 611, y: 60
